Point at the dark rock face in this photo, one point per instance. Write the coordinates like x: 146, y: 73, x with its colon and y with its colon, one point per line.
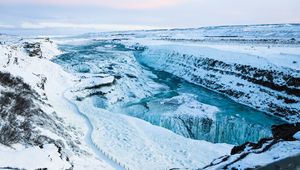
x: 241, y: 148
x: 285, y: 131
x: 21, y: 118
x: 280, y: 132
x: 20, y: 114
x: 16, y: 104
x: 33, y: 49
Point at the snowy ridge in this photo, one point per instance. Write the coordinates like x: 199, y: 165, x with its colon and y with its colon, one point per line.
x: 257, y: 158
x: 282, y: 150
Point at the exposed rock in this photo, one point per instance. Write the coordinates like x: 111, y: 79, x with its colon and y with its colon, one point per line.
x: 93, y: 86
x: 97, y: 83
x: 22, y: 117
x: 33, y: 49
x: 285, y: 131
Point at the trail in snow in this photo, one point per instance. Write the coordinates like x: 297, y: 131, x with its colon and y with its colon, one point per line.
x: 88, y: 137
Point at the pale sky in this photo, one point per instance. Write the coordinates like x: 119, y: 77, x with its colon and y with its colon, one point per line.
x: 100, y: 15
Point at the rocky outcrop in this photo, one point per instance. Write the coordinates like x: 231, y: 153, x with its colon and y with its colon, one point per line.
x: 285, y: 131
x: 33, y: 49
x: 93, y: 85
x: 21, y: 115
x: 283, y: 142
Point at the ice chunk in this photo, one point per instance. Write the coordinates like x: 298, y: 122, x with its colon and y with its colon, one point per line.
x: 297, y: 135
x: 96, y: 82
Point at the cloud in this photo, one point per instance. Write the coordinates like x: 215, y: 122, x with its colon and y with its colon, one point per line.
x: 6, y: 26
x: 119, y: 4
x: 143, y: 4
x: 102, y: 27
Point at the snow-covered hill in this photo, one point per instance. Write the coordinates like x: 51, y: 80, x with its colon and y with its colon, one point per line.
x: 38, y: 128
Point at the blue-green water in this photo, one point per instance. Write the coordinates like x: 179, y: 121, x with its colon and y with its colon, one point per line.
x: 234, y: 123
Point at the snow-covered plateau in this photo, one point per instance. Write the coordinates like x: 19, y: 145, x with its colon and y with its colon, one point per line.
x: 159, y: 99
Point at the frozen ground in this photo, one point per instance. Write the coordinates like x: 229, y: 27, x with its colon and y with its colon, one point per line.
x: 32, y: 158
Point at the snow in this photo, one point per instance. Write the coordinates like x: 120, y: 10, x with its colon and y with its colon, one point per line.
x: 124, y: 137
x: 57, y: 82
x: 277, y: 152
x: 190, y: 107
x: 229, y: 56
x: 50, y: 50
x: 96, y: 81
x: 33, y: 158
x: 286, y: 57
x: 252, y: 158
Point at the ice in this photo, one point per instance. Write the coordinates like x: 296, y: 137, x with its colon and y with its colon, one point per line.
x: 297, y: 136
x: 162, y: 100
x: 215, y: 69
x: 96, y: 82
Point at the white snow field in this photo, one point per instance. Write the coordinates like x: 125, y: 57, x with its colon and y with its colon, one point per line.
x: 32, y: 158
x: 138, y: 144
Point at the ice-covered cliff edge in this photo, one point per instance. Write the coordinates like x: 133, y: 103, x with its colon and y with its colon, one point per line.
x: 254, y: 80
x: 282, y: 150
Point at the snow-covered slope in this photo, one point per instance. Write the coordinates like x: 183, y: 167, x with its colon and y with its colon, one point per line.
x: 282, y: 150
x: 35, y: 157
x: 54, y: 122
